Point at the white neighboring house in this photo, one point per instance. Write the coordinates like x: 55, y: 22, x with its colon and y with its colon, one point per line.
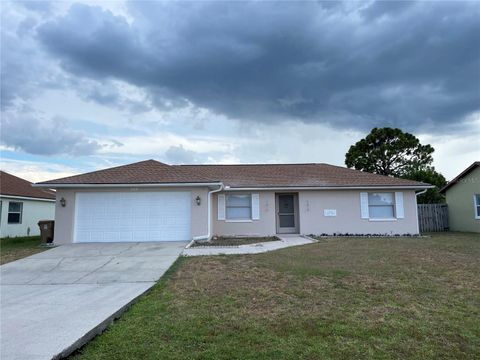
x: 22, y: 206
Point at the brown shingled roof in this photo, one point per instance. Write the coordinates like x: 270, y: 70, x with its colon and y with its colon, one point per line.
x: 291, y: 175
x: 143, y: 172
x: 15, y: 186
x: 257, y: 175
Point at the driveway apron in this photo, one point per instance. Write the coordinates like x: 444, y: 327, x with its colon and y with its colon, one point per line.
x: 56, y: 301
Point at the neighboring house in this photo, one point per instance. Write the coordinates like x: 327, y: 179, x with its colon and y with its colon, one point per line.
x: 22, y: 206
x: 463, y: 199
x: 152, y: 201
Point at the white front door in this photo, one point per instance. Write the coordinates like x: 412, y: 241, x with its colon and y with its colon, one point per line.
x: 132, y: 216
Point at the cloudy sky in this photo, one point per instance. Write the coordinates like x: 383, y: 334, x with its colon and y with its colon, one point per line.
x: 90, y: 84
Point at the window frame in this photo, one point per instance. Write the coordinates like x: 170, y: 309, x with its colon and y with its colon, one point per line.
x: 393, y: 206
x: 20, y: 217
x: 476, y: 206
x: 249, y: 219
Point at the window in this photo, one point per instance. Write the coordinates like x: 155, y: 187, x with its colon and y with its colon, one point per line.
x: 239, y: 207
x: 381, y: 205
x: 477, y: 206
x: 15, y: 212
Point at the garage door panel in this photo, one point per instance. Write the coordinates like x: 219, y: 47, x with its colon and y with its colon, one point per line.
x: 137, y: 217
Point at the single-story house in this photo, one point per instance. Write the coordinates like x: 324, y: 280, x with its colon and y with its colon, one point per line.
x: 22, y: 206
x: 463, y: 200
x: 153, y: 201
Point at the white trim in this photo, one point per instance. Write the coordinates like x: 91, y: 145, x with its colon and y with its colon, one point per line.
x: 75, y: 216
x: 372, y: 187
x: 26, y: 198
x: 380, y: 219
x: 239, y: 221
x: 475, y: 205
x: 149, y: 185
x: 221, y: 207
x: 364, y: 209
x: 226, y: 188
x: 399, y: 207
x: 256, y: 206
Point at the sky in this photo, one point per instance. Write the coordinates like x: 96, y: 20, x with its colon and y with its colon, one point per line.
x: 87, y: 85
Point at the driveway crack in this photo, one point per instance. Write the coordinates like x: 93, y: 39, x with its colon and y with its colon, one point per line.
x: 96, y: 269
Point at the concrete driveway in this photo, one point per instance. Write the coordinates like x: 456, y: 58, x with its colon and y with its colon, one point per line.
x: 55, y: 301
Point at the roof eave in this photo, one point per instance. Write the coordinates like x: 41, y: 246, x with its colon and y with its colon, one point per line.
x: 459, y: 176
x: 123, y: 185
x: 359, y: 187
x: 22, y: 197
x: 234, y: 188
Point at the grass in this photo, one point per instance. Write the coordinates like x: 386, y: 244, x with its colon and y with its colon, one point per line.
x: 343, y: 298
x: 14, y: 248
x: 235, y: 241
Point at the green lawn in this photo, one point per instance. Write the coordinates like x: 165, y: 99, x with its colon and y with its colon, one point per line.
x: 19, y: 247
x: 342, y: 298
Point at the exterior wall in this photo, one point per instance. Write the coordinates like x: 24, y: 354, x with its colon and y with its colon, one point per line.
x: 265, y: 226
x: 65, y: 216
x: 33, y: 211
x: 311, y: 217
x: 461, y: 211
x: 348, y: 219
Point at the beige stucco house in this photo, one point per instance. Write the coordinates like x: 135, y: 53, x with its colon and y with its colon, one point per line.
x: 463, y: 200
x: 153, y: 201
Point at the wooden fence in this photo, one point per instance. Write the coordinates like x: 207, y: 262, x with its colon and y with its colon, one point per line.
x: 433, y: 217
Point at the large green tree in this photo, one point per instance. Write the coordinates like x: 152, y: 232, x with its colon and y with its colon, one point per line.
x: 429, y: 176
x: 389, y: 151
x: 392, y: 152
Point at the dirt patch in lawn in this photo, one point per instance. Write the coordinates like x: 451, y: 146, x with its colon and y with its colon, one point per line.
x: 234, y: 241
x: 12, y: 249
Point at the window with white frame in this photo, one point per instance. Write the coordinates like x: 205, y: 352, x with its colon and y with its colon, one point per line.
x: 381, y: 205
x: 238, y: 207
x: 477, y: 206
x: 15, y: 212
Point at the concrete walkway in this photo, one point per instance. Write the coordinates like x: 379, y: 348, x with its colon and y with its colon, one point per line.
x: 54, y: 302
x: 285, y: 241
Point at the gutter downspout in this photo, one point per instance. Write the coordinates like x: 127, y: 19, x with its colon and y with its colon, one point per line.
x: 416, y: 208
x: 209, y: 225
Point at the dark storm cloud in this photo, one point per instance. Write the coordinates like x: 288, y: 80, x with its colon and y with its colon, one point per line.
x: 32, y: 135
x: 352, y: 65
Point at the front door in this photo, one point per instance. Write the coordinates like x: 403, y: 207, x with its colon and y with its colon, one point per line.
x: 287, y: 220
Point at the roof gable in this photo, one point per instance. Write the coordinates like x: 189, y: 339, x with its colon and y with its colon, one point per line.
x: 464, y: 173
x: 236, y: 176
x: 15, y: 186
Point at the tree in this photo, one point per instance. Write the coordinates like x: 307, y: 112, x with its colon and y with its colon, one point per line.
x: 429, y: 176
x: 391, y: 152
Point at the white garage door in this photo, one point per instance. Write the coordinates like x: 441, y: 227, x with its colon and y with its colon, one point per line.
x: 132, y: 216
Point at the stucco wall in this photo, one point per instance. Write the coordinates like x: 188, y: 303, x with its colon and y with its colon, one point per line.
x: 461, y: 211
x: 311, y: 217
x: 348, y: 219
x: 265, y: 226
x: 312, y: 203
x: 65, y: 216
x: 33, y: 211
